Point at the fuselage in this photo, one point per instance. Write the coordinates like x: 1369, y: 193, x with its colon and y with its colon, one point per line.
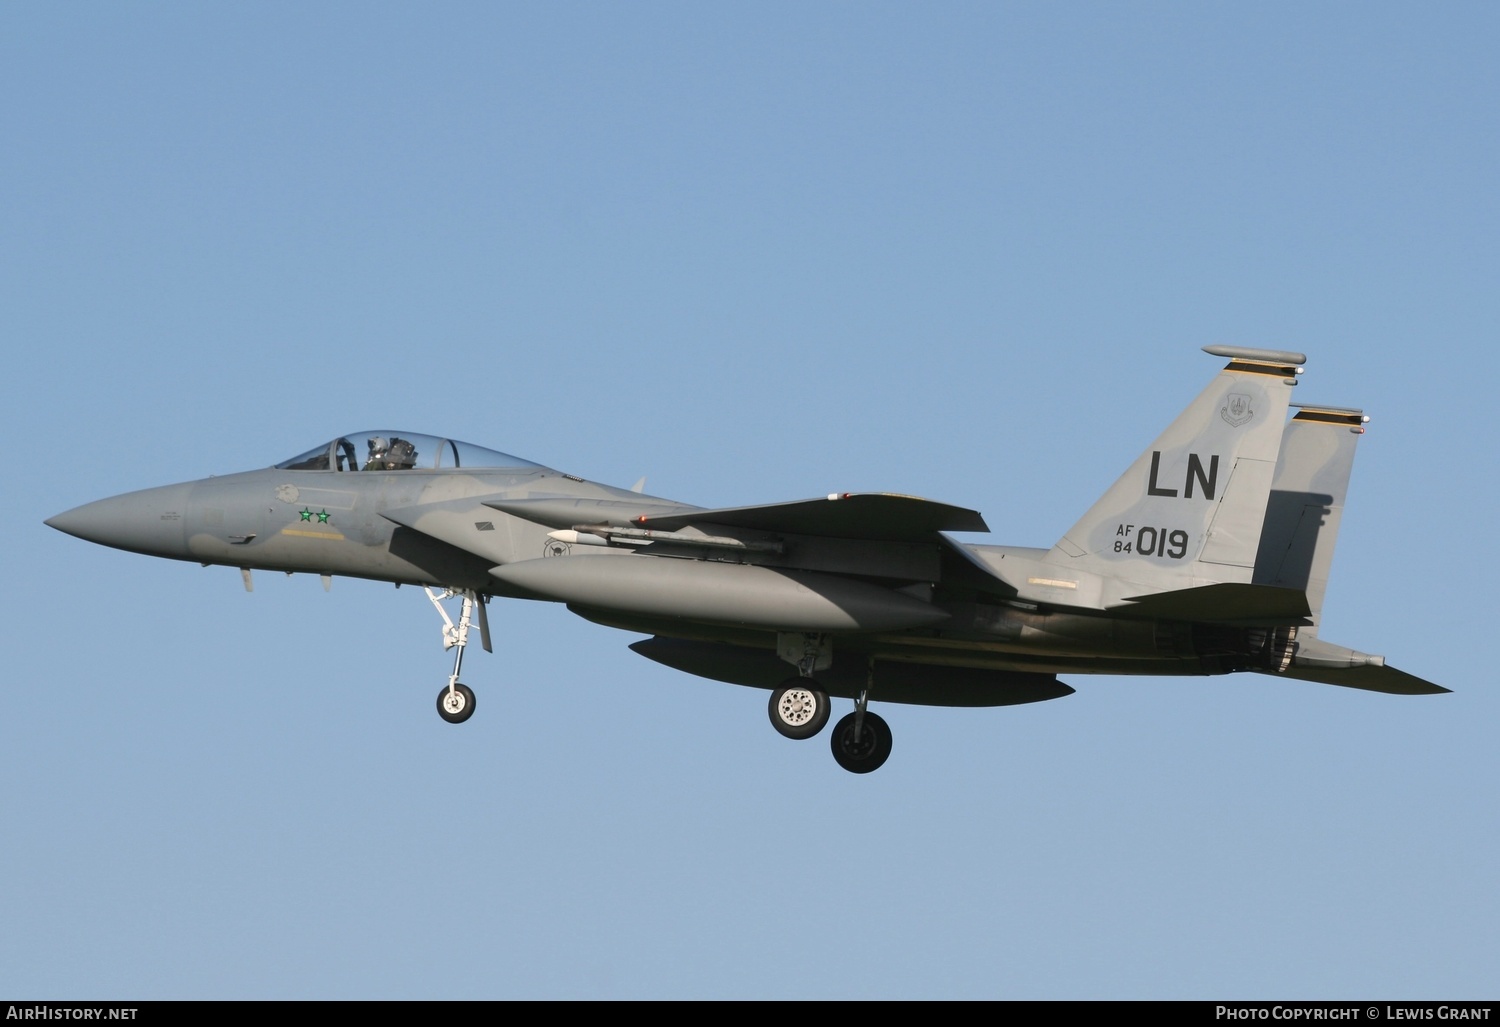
x: 443, y: 526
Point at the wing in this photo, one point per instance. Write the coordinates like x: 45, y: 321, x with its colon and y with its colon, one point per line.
x: 865, y: 534
x: 869, y: 516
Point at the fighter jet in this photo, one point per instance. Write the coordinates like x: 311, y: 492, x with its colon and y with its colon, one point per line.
x: 1210, y: 555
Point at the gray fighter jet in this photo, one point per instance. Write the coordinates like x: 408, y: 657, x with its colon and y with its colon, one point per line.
x: 1210, y: 555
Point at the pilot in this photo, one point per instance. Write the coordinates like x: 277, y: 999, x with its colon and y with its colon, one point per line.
x: 379, y: 448
x: 394, y: 455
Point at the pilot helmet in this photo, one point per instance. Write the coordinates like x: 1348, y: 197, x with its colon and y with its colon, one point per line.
x: 378, y: 446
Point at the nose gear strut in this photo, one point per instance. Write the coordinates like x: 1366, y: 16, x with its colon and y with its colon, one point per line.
x: 455, y: 702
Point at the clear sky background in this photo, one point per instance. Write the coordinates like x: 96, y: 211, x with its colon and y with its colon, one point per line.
x: 755, y: 252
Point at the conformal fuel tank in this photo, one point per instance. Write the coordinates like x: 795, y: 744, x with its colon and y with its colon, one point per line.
x: 720, y: 593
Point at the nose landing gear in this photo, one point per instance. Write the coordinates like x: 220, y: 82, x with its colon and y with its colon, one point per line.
x: 455, y: 703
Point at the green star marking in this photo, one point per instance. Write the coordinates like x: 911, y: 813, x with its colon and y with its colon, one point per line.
x: 306, y: 514
x: 323, y: 517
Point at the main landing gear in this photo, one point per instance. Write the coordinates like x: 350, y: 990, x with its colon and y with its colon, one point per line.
x: 861, y: 740
x: 455, y: 703
x: 798, y: 708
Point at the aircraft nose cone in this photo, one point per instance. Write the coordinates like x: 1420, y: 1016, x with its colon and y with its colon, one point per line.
x: 149, y: 521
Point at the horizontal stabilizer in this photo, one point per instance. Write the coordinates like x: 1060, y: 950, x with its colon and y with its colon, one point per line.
x: 875, y: 516
x: 1372, y: 679
x: 1223, y: 603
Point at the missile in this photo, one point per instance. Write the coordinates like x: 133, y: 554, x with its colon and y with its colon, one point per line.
x: 573, y: 537
x: 565, y: 512
x: 709, y: 592
x: 607, y: 535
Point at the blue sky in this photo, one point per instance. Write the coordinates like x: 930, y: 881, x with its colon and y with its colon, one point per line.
x: 755, y: 253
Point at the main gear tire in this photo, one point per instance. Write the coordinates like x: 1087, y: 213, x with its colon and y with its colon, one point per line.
x: 797, y: 709
x: 869, y: 751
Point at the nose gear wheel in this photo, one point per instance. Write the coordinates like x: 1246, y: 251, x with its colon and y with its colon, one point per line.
x: 456, y: 704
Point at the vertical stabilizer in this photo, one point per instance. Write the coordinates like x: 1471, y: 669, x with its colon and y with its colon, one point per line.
x: 1307, y: 501
x: 1189, y: 511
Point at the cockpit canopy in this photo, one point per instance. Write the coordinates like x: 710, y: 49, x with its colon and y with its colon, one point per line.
x: 398, y: 451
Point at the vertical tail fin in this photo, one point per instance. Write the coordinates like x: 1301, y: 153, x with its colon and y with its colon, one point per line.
x: 1296, y: 545
x: 1307, y: 501
x: 1189, y: 511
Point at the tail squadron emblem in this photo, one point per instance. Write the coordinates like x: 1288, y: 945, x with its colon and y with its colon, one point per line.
x: 1236, y: 409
